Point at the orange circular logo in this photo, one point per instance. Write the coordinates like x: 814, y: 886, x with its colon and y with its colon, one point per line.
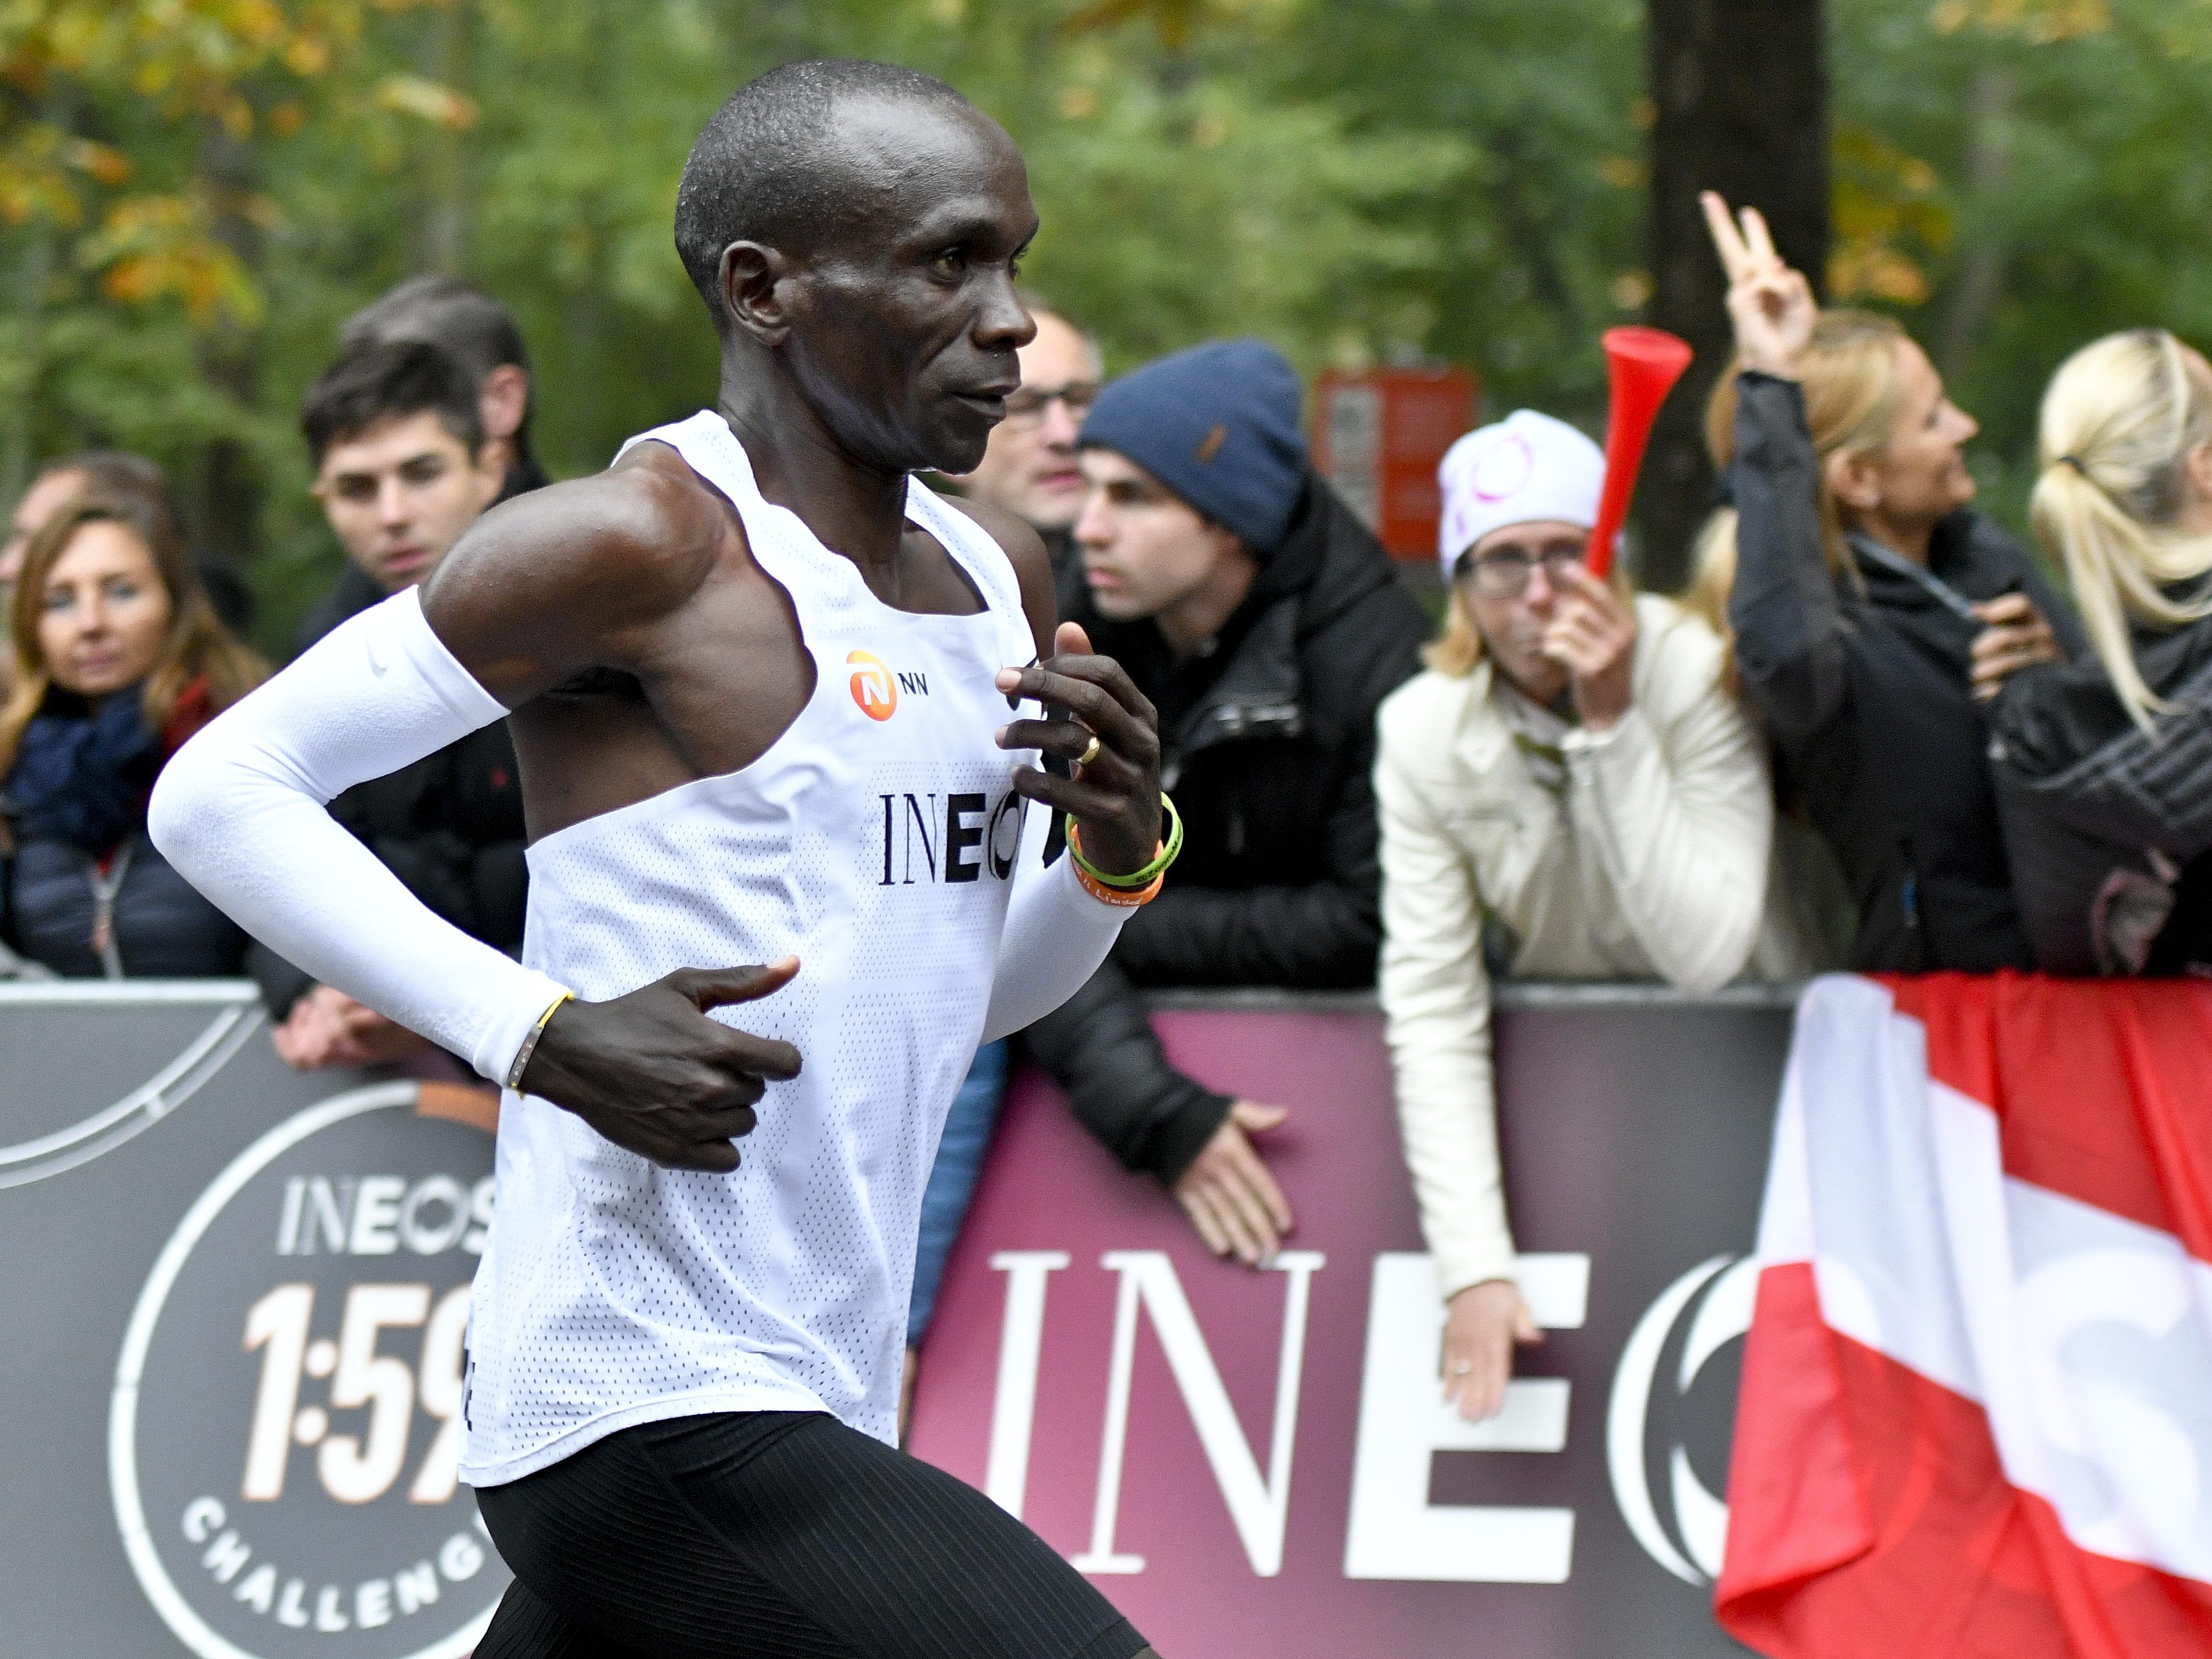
x: 874, y: 689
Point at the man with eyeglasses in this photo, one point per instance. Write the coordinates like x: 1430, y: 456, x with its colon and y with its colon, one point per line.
x: 1570, y: 792
x: 1028, y: 471
x: 1265, y: 625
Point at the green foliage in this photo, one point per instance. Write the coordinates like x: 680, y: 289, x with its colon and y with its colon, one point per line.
x: 2060, y: 164
x: 196, y: 192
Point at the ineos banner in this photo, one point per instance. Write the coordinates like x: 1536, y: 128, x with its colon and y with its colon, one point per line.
x: 1261, y: 1463
x: 236, y: 1299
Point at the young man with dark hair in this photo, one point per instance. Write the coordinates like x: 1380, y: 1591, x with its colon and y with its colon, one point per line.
x: 402, y: 468
x: 470, y: 324
x: 777, y: 703
x: 479, y: 336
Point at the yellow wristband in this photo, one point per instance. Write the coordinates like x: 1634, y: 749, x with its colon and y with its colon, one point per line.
x: 529, y: 1043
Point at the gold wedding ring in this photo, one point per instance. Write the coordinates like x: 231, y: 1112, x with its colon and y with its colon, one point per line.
x: 1089, y: 753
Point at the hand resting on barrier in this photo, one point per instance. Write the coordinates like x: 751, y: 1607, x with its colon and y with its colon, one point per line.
x: 1228, y: 1193
x: 1484, y: 1323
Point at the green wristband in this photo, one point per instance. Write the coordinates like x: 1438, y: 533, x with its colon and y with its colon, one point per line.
x: 1135, y: 879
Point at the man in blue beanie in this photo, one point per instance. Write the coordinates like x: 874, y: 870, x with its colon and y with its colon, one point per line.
x: 1265, y: 623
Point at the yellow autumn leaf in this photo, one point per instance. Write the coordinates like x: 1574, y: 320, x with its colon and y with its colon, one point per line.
x: 427, y: 100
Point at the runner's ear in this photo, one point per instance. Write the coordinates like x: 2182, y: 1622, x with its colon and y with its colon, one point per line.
x: 754, y: 291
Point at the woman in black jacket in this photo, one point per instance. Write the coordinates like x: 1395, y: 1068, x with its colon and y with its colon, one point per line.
x: 1873, y: 614
x: 120, y: 658
x: 2105, y: 766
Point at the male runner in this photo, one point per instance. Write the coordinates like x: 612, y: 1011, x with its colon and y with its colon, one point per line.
x: 760, y: 691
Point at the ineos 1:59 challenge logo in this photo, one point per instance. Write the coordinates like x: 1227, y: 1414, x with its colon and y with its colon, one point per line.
x: 285, y: 1435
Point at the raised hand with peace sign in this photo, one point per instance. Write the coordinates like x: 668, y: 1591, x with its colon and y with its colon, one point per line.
x: 1771, y: 305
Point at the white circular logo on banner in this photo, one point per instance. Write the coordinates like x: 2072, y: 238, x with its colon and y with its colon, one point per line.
x: 285, y: 1434
x: 1722, y: 1291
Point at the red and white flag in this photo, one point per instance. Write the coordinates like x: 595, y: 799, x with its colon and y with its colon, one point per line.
x: 1976, y: 1416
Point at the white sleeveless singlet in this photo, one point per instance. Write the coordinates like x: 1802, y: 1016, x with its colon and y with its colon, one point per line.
x: 876, y: 839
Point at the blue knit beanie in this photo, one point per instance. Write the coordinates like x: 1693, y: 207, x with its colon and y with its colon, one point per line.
x: 1219, y: 425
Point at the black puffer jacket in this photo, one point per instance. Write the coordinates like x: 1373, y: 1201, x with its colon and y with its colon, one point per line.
x: 1270, y: 747
x: 54, y: 895
x: 2110, y: 827
x: 1865, y: 691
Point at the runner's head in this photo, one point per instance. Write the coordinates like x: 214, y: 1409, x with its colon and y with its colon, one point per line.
x: 854, y: 230
x: 401, y: 463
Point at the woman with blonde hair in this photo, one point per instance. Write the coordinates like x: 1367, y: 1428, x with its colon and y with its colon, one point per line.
x: 2104, y: 768
x: 120, y: 658
x: 1873, y: 614
x: 1569, y: 793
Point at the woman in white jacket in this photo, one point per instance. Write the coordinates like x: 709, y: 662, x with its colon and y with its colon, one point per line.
x: 1571, y: 785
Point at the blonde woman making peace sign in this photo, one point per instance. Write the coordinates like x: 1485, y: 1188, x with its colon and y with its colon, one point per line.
x: 1874, y: 612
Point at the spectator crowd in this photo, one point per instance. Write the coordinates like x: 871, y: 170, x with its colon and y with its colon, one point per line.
x: 1872, y: 734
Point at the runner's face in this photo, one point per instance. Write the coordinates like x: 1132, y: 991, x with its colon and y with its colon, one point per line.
x: 906, y: 330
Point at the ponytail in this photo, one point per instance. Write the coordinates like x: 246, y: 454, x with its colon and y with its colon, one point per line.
x: 2119, y: 422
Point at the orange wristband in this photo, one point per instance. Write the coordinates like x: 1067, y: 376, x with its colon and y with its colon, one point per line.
x: 1126, y: 898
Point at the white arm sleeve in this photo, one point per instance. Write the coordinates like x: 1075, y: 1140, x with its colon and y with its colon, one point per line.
x: 239, y: 811
x: 1056, y: 936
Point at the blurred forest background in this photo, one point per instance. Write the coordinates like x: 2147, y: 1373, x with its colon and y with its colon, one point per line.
x: 194, y: 192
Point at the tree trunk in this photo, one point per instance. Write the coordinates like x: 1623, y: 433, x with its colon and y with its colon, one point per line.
x: 1988, y: 170
x: 446, y: 183
x: 1740, y: 95
x: 225, y: 500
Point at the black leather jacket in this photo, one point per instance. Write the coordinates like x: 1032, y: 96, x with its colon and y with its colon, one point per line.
x: 1269, y: 743
x: 1864, y: 687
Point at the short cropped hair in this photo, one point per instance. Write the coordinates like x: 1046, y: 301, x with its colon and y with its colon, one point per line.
x: 443, y: 311
x: 391, y: 382
x: 761, y: 171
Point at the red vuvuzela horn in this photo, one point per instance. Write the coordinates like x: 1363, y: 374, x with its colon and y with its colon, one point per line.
x: 1644, y: 364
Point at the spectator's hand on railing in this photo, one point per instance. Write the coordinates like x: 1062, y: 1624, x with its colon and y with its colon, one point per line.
x: 1484, y: 1323
x: 326, y: 1027
x: 1771, y: 305
x: 1228, y: 1193
x: 2016, y: 637
x: 313, y: 1034
x: 1592, y: 635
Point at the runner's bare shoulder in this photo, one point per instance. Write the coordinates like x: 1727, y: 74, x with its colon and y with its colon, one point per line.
x: 1024, y: 549
x: 577, y: 576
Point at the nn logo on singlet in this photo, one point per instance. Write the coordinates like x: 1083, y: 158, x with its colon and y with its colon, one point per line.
x: 876, y: 686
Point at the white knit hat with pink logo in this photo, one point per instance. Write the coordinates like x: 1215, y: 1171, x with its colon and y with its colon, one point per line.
x: 1527, y: 468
